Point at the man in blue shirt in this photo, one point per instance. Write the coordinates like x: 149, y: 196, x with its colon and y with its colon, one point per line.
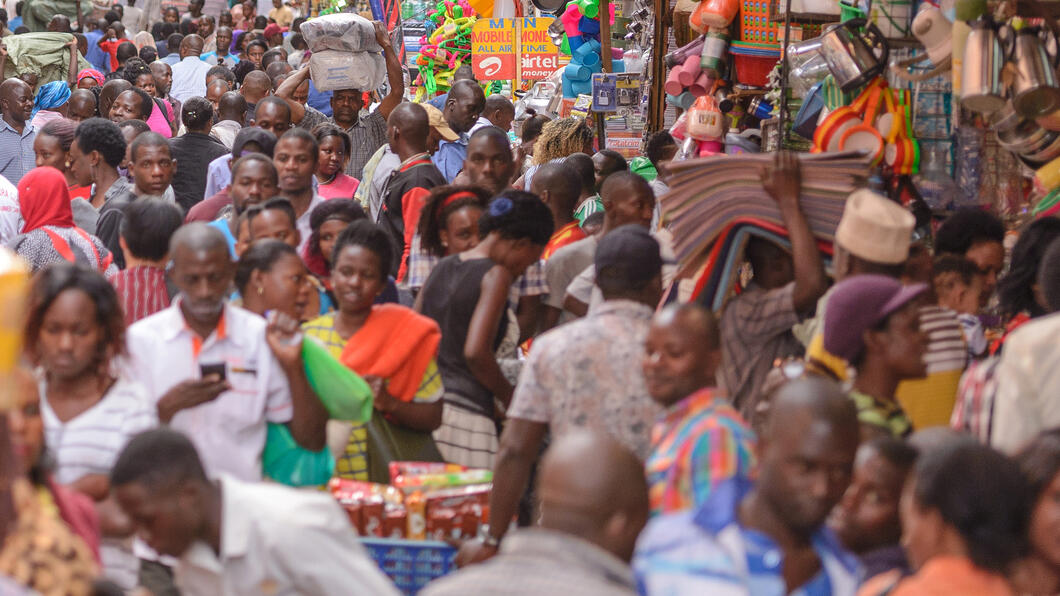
x: 462, y: 109
x: 99, y: 59
x: 767, y: 538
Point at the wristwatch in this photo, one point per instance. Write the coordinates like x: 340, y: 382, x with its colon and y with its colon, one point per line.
x: 488, y: 539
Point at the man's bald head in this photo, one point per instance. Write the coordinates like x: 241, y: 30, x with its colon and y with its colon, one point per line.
x: 464, y: 105
x: 82, y: 105
x: 807, y: 453
x: 409, y: 121
x: 592, y: 487
x: 256, y: 85
x: 681, y: 353
x: 16, y: 101
x: 191, y: 46
x: 500, y: 111
x: 277, y: 69
x: 60, y: 24
x: 557, y: 185
x: 232, y: 106
x: 197, y: 238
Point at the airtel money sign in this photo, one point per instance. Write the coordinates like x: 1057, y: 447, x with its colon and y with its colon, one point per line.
x: 494, y: 49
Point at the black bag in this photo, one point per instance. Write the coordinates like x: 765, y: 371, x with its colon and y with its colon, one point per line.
x: 389, y: 442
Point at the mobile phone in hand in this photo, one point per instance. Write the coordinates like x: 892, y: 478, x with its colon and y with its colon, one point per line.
x: 213, y: 369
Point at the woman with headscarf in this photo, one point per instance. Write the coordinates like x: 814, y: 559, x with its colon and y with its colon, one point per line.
x: 52, y: 148
x: 89, y: 78
x: 50, y: 103
x: 49, y: 234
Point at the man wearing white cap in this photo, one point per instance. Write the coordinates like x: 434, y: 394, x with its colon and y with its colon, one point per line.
x: 873, y: 237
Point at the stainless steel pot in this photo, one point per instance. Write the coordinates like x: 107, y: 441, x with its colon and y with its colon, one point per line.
x: 853, y: 57
x: 1034, y: 88
x: 981, y: 88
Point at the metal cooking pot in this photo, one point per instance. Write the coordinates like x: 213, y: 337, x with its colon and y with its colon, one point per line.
x: 1015, y: 132
x: 853, y: 57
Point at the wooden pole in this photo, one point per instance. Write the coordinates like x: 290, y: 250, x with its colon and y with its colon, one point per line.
x: 605, y: 63
x: 656, y: 97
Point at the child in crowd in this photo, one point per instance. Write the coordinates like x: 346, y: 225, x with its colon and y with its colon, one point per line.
x: 959, y: 287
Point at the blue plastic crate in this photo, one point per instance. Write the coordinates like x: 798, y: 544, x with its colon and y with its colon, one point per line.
x: 411, y: 564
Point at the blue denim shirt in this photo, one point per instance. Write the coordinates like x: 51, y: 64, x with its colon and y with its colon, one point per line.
x: 449, y: 159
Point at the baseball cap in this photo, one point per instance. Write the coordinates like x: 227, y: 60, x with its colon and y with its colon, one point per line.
x: 438, y: 123
x: 856, y: 304
x: 629, y: 253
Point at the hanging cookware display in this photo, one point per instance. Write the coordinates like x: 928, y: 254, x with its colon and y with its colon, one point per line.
x: 854, y: 57
x: 1034, y: 89
x: 981, y: 87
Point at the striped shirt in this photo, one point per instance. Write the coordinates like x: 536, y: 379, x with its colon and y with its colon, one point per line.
x: 142, y: 291
x: 16, y: 151
x: 708, y: 551
x: 587, y: 208
x: 89, y: 443
x: 929, y: 401
x: 700, y: 442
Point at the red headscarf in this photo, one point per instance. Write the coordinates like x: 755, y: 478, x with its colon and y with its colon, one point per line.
x: 44, y: 199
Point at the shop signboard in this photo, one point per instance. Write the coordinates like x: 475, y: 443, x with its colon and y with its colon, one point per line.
x: 496, y: 44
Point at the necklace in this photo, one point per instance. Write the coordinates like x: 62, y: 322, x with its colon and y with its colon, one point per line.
x: 330, y: 180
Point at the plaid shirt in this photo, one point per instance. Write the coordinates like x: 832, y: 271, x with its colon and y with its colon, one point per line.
x: 974, y: 410
x: 755, y: 332
x: 367, y: 135
x: 708, y: 551
x: 16, y: 151
x: 699, y: 443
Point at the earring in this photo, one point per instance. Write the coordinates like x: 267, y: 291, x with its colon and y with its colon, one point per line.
x: 261, y: 290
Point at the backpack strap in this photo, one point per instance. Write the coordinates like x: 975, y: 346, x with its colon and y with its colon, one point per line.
x: 101, y: 263
x: 61, y: 246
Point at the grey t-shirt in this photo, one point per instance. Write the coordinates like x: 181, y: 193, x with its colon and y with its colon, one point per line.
x: 565, y: 265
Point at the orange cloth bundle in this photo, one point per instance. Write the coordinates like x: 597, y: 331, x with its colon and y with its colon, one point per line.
x: 395, y: 343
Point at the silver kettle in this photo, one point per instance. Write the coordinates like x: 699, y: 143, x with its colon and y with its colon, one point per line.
x: 1034, y: 89
x: 853, y: 57
x: 981, y: 88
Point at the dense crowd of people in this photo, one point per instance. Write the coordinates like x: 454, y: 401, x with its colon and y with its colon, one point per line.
x: 877, y: 418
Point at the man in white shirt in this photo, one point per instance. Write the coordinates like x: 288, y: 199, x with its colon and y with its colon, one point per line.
x: 218, y: 372
x: 1028, y: 376
x: 233, y: 538
x: 189, y: 75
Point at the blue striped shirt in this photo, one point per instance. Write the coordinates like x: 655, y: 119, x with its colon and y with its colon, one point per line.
x: 707, y: 551
x: 16, y: 151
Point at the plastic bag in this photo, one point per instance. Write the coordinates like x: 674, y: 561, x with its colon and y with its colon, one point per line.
x: 332, y: 70
x: 345, y: 394
x: 344, y: 32
x: 287, y: 462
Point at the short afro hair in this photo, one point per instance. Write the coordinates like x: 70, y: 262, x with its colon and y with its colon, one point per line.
x: 98, y: 134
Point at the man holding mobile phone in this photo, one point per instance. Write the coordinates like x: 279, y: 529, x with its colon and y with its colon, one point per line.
x: 217, y: 372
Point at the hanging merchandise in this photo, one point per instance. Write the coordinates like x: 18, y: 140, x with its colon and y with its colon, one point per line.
x: 581, y: 24
x: 935, y: 32
x: 981, y: 87
x: 854, y: 58
x: 445, y: 48
x: 1034, y: 88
